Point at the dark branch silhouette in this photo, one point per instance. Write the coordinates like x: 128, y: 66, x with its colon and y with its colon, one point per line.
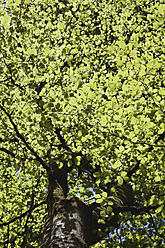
x: 136, y: 210
x: 19, y: 135
x: 7, y: 151
x: 23, y: 215
x: 62, y: 140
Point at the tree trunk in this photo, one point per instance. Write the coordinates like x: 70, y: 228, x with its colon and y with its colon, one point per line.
x: 65, y: 225
x: 72, y: 223
x: 67, y: 228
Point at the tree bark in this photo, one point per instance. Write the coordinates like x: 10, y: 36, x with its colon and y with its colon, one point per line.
x: 67, y: 228
x: 65, y: 223
x: 72, y: 223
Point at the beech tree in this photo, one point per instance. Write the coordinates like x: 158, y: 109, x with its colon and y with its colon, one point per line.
x: 82, y: 125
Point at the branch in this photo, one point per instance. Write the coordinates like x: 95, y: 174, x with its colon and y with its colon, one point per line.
x: 40, y: 86
x: 28, y: 217
x: 95, y: 210
x: 136, y: 167
x: 19, y: 135
x: 7, y: 151
x: 11, y: 78
x: 62, y: 140
x: 10, y: 140
x: 161, y: 235
x: 135, y: 210
x: 161, y: 137
x: 24, y: 214
x: 2, y: 81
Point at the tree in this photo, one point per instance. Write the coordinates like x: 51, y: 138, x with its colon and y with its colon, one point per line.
x: 82, y: 123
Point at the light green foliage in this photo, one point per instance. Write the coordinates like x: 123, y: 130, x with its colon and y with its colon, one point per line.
x: 94, y: 69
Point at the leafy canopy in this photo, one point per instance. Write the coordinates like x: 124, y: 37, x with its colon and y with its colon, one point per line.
x: 94, y: 69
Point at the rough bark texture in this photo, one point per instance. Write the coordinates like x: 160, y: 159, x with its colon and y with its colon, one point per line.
x: 67, y: 228
x: 65, y: 224
x: 70, y: 222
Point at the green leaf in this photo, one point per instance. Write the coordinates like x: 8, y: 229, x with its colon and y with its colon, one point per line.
x: 121, y: 44
x: 97, y: 196
x: 73, y: 101
x: 70, y: 163
x: 123, y: 173
x: 91, y: 95
x: 102, y: 213
x: 161, y: 8
x: 109, y: 210
x: 120, y: 180
x: 159, y: 209
x: 113, y: 190
x: 104, y: 194
x: 101, y: 221
x: 152, y: 199
x: 116, y: 165
x: 99, y: 200
x: 18, y: 2
x: 157, y: 178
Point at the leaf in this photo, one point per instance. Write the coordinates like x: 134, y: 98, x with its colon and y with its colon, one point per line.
x: 91, y: 95
x: 116, y: 165
x: 18, y: 2
x: 157, y: 178
x: 70, y: 163
x: 60, y: 165
x: 73, y: 101
x: 109, y: 210
x: 86, y: 89
x: 99, y: 200
x: 161, y: 8
x: 102, y: 213
x: 101, y: 221
x: 123, y: 173
x: 152, y: 199
x: 121, y: 44
x: 73, y: 51
x: 120, y: 180
x: 97, y: 196
x: 5, y: 20
x: 104, y: 194
x: 159, y: 209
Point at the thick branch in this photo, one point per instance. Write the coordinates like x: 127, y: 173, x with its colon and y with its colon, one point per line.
x: 109, y: 220
x: 19, y: 135
x: 136, y: 210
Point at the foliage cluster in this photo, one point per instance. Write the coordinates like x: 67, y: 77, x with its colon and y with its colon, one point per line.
x: 94, y: 71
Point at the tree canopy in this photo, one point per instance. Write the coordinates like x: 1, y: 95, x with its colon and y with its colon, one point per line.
x: 82, y: 82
